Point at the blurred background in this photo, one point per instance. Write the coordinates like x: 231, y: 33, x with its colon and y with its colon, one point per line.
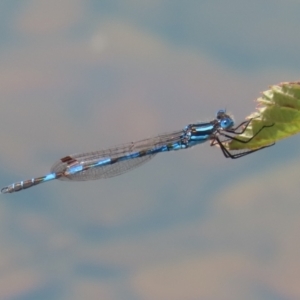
x: 81, y: 75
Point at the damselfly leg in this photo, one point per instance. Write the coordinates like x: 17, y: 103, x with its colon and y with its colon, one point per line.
x: 229, y: 153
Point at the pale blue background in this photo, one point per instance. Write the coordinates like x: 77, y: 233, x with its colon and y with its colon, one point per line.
x: 79, y: 75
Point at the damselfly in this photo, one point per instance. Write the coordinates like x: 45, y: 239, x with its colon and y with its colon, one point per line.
x: 120, y: 159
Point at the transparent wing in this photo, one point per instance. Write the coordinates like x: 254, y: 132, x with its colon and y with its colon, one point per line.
x: 89, y: 160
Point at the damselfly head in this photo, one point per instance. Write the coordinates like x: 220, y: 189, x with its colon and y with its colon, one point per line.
x: 225, y: 120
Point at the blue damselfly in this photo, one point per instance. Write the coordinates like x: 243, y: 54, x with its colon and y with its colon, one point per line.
x: 120, y: 159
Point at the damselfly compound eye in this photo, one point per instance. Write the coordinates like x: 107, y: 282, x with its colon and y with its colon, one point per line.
x: 227, y: 123
x: 220, y: 114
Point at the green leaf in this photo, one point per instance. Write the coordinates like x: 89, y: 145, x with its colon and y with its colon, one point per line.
x: 278, y: 107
